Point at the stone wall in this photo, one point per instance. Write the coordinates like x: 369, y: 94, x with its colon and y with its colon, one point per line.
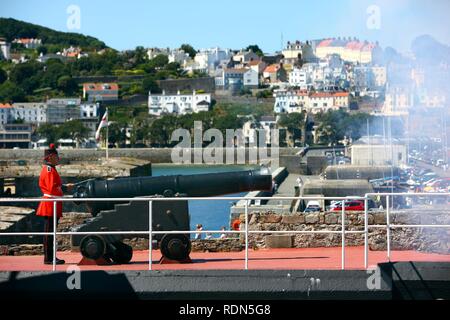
x: 34, y: 246
x: 154, y: 155
x: 430, y: 240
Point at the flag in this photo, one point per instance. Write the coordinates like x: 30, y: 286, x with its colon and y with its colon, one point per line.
x: 103, y: 123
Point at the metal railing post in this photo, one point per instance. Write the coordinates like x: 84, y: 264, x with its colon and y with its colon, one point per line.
x: 150, y: 235
x: 343, y: 235
x: 246, y: 235
x: 366, y: 233
x: 388, y: 228
x: 54, y: 234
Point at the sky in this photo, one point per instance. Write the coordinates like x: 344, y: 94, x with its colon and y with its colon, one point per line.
x: 237, y: 23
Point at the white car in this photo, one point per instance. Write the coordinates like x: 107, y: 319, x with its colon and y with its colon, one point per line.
x: 313, y: 206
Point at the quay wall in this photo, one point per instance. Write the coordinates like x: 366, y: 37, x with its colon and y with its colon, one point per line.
x: 422, y: 239
x: 154, y: 155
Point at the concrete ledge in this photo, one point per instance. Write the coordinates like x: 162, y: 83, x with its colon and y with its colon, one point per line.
x: 200, y: 284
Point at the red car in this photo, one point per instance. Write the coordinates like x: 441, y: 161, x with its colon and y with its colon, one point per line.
x: 353, y: 205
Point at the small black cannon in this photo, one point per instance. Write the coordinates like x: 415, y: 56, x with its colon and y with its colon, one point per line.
x: 166, y: 215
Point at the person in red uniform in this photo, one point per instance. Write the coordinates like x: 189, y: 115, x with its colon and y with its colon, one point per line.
x: 51, y: 186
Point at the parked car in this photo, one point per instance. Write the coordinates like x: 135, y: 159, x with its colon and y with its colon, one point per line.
x: 313, y: 206
x: 354, y: 205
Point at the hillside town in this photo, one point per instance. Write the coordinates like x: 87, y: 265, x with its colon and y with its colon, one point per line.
x: 296, y: 90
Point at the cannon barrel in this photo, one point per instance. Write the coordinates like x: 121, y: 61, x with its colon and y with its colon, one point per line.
x: 196, y: 185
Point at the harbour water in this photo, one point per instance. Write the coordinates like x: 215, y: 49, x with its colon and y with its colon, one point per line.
x: 213, y: 215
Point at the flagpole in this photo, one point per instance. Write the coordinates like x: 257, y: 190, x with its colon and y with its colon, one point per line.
x: 107, y: 134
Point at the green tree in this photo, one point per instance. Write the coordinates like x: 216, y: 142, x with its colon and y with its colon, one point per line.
x: 161, y: 130
x: 159, y: 61
x: 140, y: 55
x: 333, y: 125
x: 255, y: 48
x: 49, y: 132
x: 294, y: 123
x: 42, y: 49
x: 22, y: 71
x: 149, y: 84
x: 67, y: 85
x: 3, y: 76
x: 117, y: 133
x: 189, y: 50
x: 11, y: 92
x: 73, y: 129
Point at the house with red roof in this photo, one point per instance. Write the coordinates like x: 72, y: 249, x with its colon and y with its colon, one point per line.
x: 351, y: 50
x: 274, y: 73
x: 100, y: 91
x: 29, y: 43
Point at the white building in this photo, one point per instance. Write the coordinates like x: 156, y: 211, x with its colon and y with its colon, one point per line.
x: 251, y: 130
x: 299, y: 78
x: 398, y: 100
x: 288, y: 101
x: 245, y: 56
x: 178, y: 104
x: 178, y: 55
x: 237, y: 78
x: 208, y: 59
x: 5, y: 110
x: 5, y: 48
x: 377, y: 151
x: 89, y: 110
x: 29, y: 112
x: 153, y: 52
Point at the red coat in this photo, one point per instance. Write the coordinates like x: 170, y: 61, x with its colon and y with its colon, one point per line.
x: 50, y: 184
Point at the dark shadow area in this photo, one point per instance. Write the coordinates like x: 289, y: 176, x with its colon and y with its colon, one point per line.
x: 93, y: 285
x: 418, y: 280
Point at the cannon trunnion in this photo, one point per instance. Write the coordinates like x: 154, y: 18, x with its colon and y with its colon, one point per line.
x: 166, y: 215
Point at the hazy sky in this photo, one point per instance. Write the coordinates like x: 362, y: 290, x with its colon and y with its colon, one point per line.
x: 238, y: 23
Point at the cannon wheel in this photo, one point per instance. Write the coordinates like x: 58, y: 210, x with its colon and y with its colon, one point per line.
x: 120, y: 252
x: 92, y: 247
x: 175, y: 246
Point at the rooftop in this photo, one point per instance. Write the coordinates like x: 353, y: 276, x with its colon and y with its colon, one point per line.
x: 375, y: 140
x: 272, y: 68
x: 100, y: 86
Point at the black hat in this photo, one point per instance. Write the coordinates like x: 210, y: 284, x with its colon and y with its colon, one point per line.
x: 51, y: 150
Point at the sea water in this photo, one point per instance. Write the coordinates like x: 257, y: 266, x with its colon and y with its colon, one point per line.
x: 212, y: 214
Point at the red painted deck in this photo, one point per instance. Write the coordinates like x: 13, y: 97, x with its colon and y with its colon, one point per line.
x: 307, y: 258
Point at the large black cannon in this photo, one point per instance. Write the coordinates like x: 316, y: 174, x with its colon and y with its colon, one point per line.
x: 166, y: 215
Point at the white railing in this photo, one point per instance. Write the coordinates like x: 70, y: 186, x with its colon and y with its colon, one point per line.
x: 246, y: 232
x: 390, y: 226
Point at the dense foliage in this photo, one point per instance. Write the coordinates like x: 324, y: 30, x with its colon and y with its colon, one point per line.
x: 12, y: 29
